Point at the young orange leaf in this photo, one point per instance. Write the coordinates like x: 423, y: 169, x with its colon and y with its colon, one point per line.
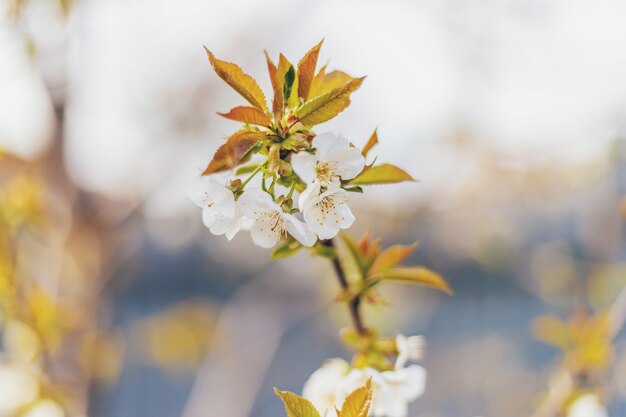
x: 230, y: 154
x: 323, y: 83
x: 306, y: 70
x: 416, y: 275
x: 381, y: 174
x: 371, y: 142
x: 277, y: 86
x: 247, y: 114
x: 295, y: 405
x: 238, y: 80
x: 358, y: 403
x: 329, y: 105
x: 390, y: 257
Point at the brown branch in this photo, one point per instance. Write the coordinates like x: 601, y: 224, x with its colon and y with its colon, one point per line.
x: 354, y: 303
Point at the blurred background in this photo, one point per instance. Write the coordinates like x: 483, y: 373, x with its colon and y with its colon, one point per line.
x: 117, y: 302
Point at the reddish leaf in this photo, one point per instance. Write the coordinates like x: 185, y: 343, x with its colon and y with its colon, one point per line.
x: 247, y: 114
x: 306, y: 70
x: 230, y: 154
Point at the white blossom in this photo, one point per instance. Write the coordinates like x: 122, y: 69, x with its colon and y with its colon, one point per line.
x: 410, y: 348
x: 270, y: 223
x: 19, y: 385
x: 587, y: 406
x: 219, y: 210
x: 334, y: 160
x: 45, y: 408
x: 325, y: 212
x: 326, y: 386
x: 392, y: 390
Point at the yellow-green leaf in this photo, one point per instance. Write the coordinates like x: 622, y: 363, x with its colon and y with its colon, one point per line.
x: 371, y: 142
x: 277, y: 86
x: 327, y: 106
x: 390, y: 257
x: 241, y: 82
x: 323, y: 83
x: 358, y: 403
x: 283, y: 68
x: 416, y: 275
x: 350, y: 260
x: 358, y: 261
x: 553, y: 331
x: 381, y: 174
x: 306, y: 70
x: 247, y: 114
x: 230, y: 154
x: 295, y: 405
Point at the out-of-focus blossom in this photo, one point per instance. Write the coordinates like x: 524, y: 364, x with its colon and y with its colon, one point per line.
x: 393, y: 390
x: 334, y: 160
x: 587, y: 406
x: 19, y: 385
x: 410, y: 348
x: 326, y: 212
x: 270, y: 222
x: 219, y: 211
x: 45, y: 408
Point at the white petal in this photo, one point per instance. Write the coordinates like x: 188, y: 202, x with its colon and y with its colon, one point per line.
x: 206, y: 191
x: 408, y: 383
x: 309, y: 196
x: 323, y: 388
x: 587, y: 406
x: 209, y: 216
x: 349, y: 161
x: 299, y: 230
x: 225, y: 225
x: 253, y: 202
x: 325, y: 143
x: 265, y: 232
x: 303, y: 164
x: 328, y: 213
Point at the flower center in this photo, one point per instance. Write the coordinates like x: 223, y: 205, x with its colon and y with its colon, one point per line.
x: 276, y: 222
x: 326, y: 172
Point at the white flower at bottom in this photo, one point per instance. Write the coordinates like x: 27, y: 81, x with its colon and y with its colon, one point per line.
x: 325, y: 387
x: 587, y: 406
x: 270, y: 222
x: 219, y: 210
x: 393, y: 390
x: 325, y: 212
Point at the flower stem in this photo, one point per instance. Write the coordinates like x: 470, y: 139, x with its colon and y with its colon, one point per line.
x: 354, y: 303
x: 256, y: 171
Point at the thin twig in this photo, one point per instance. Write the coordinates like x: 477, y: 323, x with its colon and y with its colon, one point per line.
x: 354, y: 303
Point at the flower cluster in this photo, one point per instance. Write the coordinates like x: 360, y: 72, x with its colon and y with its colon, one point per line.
x: 393, y: 390
x: 322, y: 209
x: 301, y: 194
